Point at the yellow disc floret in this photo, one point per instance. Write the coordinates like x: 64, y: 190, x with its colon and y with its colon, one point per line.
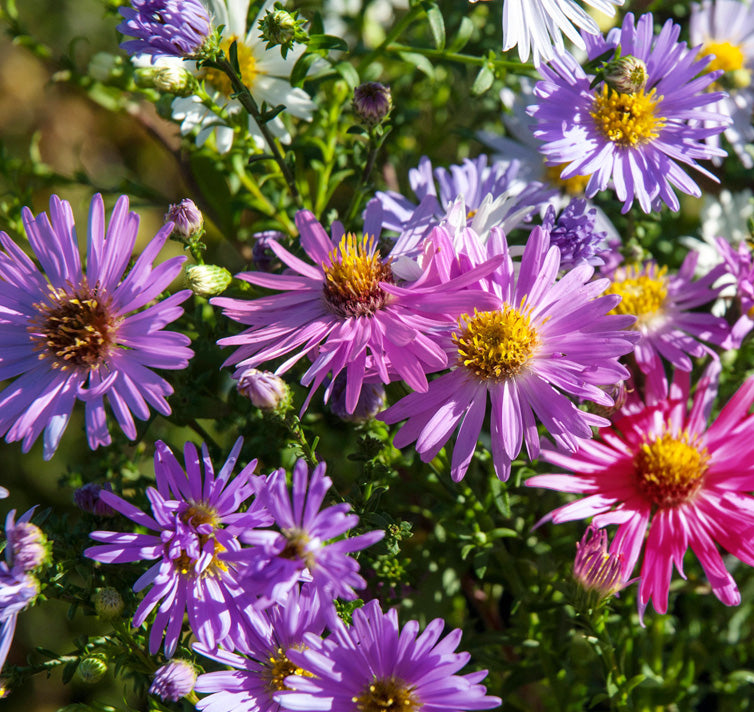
x: 277, y: 668
x: 670, y: 469
x: 726, y: 56
x: 496, y: 345
x: 246, y: 63
x: 575, y: 185
x: 352, y: 280
x: 389, y: 694
x: 643, y: 292
x: 627, y: 119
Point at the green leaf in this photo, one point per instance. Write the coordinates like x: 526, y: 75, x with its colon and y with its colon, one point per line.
x: 462, y: 36
x: 483, y: 81
x: 272, y: 113
x: 348, y: 73
x: 233, y: 57
x: 420, y: 62
x: 301, y: 68
x: 326, y: 42
x: 437, y: 25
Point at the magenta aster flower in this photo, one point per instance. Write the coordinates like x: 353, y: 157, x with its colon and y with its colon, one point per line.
x: 666, y: 309
x: 71, y: 334
x: 374, y: 661
x: 638, y: 138
x: 662, y: 468
x: 547, y: 340
x: 303, y: 549
x: 197, y: 522
x: 344, y: 313
x: 595, y: 568
x: 261, y: 670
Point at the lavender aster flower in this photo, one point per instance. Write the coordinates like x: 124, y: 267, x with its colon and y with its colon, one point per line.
x: 87, y: 499
x: 574, y: 233
x: 173, y: 681
x: 374, y: 661
x: 197, y: 522
x: 265, y: 390
x: 739, y: 264
x: 27, y: 544
x: 303, y: 549
x: 165, y: 28
x: 637, y: 140
x: 75, y: 334
x: 546, y: 340
x: 17, y: 591
x: 187, y: 219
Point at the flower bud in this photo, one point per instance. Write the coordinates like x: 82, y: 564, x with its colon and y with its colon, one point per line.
x: 207, y: 280
x: 92, y: 669
x: 108, y: 603
x: 87, y: 499
x: 372, y: 103
x: 28, y: 544
x: 595, y: 569
x: 627, y: 75
x: 187, y: 219
x: 265, y: 390
x: 371, y: 400
x: 280, y: 27
x: 173, y: 681
x: 174, y: 80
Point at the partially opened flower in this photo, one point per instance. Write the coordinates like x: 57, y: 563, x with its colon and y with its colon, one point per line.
x: 377, y: 665
x: 548, y: 341
x: 17, y: 591
x: 196, y: 522
x: 174, y: 680
x: 85, y: 334
x: 636, y: 141
x: 670, y: 480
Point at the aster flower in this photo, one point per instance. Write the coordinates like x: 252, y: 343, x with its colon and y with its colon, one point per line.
x: 595, y: 568
x: 87, y: 499
x: 71, y: 334
x: 664, y: 470
x: 308, y: 546
x: 345, y: 312
x: 725, y: 29
x: 374, y: 661
x: 739, y: 264
x: 27, y: 545
x: 663, y: 305
x: 165, y: 28
x: 197, y: 523
x: 636, y: 140
x: 262, y: 667
x: 547, y: 340
x: 173, y: 681
x: 574, y: 232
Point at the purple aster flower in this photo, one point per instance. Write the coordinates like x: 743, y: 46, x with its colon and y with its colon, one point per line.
x: 575, y: 234
x: 187, y: 219
x: 371, y: 401
x: 374, y: 661
x: 472, y: 194
x: 27, y: 544
x: 165, y: 28
x: 197, y: 522
x: 303, y: 549
x: 265, y: 390
x: 262, y: 255
x: 372, y: 103
x: 346, y: 312
x: 87, y: 499
x: 17, y: 591
x: 663, y: 306
x: 260, y: 671
x: 173, y: 681
x: 75, y: 334
x: 638, y: 140
x: 739, y: 265
x: 545, y: 341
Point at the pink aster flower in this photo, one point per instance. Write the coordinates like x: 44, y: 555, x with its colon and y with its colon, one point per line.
x: 547, y: 341
x: 70, y: 333
x: 346, y: 313
x: 666, y: 307
x: 664, y: 469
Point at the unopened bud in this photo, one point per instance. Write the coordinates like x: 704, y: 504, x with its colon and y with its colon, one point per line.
x: 91, y: 670
x: 595, y: 568
x: 627, y: 75
x: 108, y: 603
x: 174, y: 80
x: 173, y: 681
x: 28, y: 544
x: 187, y: 219
x: 265, y: 390
x: 372, y: 103
x: 87, y: 499
x: 207, y: 280
x: 280, y: 27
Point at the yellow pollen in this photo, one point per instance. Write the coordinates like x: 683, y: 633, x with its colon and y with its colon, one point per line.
x: 352, y: 280
x: 627, y: 119
x: 670, y: 469
x: 246, y: 63
x: 643, y: 293
x: 470, y: 215
x: 575, y: 185
x: 278, y: 667
x: 496, y: 345
x: 186, y: 566
x: 390, y: 694
x: 727, y: 56
x: 200, y: 513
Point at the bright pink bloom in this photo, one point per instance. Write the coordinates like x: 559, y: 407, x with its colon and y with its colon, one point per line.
x: 661, y: 468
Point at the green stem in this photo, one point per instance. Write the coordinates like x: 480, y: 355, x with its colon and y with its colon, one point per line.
x: 330, y: 148
x: 431, y: 53
x: 293, y: 424
x: 391, y: 36
x: 361, y: 189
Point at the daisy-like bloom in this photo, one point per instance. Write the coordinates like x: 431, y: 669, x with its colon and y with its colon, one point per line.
x: 739, y: 264
x: 663, y: 305
x: 165, y: 28
x: 574, y: 232
x: 662, y: 468
x: 264, y: 72
x: 547, y: 340
x: 197, y: 522
x: 346, y: 312
x: 173, y: 681
x: 377, y: 665
x: 72, y: 334
x: 638, y: 140
x: 308, y: 546
x: 725, y: 29
x: 260, y: 668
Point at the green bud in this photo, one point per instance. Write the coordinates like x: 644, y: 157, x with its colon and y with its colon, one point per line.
x: 207, y: 280
x: 280, y: 27
x: 108, y: 603
x: 174, y: 80
x: 627, y: 75
x: 91, y: 670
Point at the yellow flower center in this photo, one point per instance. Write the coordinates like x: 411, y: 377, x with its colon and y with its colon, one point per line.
x: 246, y: 63
x: 643, y: 293
x: 74, y: 328
x: 496, y: 345
x: 727, y: 56
x: 670, y: 470
x: 200, y: 513
x: 278, y: 668
x: 575, y: 185
x: 627, y: 119
x: 390, y: 694
x: 186, y: 566
x: 352, y: 281
x: 296, y: 547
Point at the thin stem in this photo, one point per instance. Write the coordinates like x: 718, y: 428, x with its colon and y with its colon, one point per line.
x: 460, y: 58
x: 394, y: 34
x: 293, y: 424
